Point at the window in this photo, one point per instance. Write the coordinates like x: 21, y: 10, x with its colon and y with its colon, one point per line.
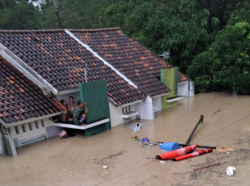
x: 17, y: 130
x: 42, y: 123
x: 23, y: 127
x: 36, y: 124
x: 30, y: 127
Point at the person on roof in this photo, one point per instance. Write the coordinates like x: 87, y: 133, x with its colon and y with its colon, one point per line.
x: 63, y: 117
x: 79, y: 114
x: 70, y: 108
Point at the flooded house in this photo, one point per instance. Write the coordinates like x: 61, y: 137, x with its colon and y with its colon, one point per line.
x: 139, y: 83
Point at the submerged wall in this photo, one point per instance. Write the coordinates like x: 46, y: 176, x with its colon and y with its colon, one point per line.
x: 115, y: 115
x: 169, y: 77
x: 32, y: 130
x: 146, y: 109
x: 157, y: 103
x: 2, y: 144
x: 7, y: 145
x: 186, y: 88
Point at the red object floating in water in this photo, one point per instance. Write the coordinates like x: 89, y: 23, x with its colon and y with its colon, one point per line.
x: 176, y: 153
x: 196, y: 152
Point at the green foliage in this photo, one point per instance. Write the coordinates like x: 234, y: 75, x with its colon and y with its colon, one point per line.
x: 226, y: 64
x: 208, y: 39
x: 21, y: 15
x: 162, y: 25
x: 77, y: 14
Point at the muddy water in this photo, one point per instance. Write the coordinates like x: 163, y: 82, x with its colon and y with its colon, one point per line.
x: 79, y: 160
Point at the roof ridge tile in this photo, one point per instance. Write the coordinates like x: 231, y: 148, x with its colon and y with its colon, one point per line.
x: 95, y: 30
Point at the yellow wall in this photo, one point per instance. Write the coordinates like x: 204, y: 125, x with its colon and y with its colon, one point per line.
x: 169, y: 77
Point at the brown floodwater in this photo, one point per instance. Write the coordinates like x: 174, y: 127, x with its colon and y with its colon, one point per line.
x: 79, y: 160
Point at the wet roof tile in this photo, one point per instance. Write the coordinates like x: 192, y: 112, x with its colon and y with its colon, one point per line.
x: 19, y: 96
x: 128, y: 56
x: 60, y: 60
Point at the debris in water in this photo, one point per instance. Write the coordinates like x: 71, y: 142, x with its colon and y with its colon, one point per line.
x: 62, y: 133
x: 206, y: 166
x: 136, y: 127
x: 245, y: 149
x: 135, y: 138
x: 170, y: 146
x: 230, y: 170
x: 145, y: 140
x: 224, y: 149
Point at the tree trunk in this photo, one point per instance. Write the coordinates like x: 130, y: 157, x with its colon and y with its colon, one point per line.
x: 209, y: 24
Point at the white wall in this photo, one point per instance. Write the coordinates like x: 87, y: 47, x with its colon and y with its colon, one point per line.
x: 115, y: 115
x: 30, y: 134
x: 157, y: 102
x: 192, y: 92
x: 186, y: 88
x: 146, y: 109
x: 1, y: 144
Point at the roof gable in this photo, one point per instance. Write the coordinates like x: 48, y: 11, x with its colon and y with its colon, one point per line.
x: 128, y: 56
x: 20, y: 98
x: 60, y: 60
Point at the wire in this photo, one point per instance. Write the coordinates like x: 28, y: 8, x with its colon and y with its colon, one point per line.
x: 225, y: 127
x: 124, y: 173
x: 212, y: 115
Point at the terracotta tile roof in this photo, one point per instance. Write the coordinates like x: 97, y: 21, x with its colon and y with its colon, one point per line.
x: 128, y: 56
x: 20, y: 98
x: 60, y: 60
x: 182, y: 77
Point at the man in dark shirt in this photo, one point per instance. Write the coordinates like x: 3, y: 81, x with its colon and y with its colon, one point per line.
x: 79, y: 114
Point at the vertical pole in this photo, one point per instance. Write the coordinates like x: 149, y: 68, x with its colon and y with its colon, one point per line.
x: 188, y: 87
x: 85, y: 74
x: 10, y: 149
x: 57, y: 13
x: 196, y: 126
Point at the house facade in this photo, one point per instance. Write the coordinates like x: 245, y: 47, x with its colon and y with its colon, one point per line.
x: 25, y: 112
x: 55, y: 60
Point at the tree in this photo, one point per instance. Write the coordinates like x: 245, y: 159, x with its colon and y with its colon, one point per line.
x: 226, y: 64
x: 208, y: 39
x: 162, y: 25
x: 220, y: 9
x: 77, y: 14
x: 19, y: 15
